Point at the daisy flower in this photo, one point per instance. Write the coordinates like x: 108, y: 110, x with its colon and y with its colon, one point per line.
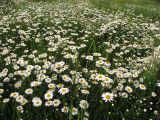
x: 48, y: 103
x: 14, y: 94
x: 5, y: 100
x: 142, y: 87
x: 65, y: 109
x: 66, y: 78
x: 108, y: 80
x: 51, y: 85
x: 37, y: 101
x: 29, y: 91
x: 84, y: 104
x: 74, y: 111
x: 56, y: 102
x: 129, y: 89
x: 63, y: 91
x: 1, y: 91
x: 107, y: 96
x: 19, y: 98
x: 100, y: 77
x: 48, y: 95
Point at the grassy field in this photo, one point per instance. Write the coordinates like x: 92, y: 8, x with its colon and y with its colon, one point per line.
x: 80, y: 60
x: 148, y: 8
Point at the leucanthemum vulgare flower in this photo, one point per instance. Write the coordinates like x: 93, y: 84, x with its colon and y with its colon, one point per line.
x: 29, y: 91
x: 36, y: 101
x: 20, y: 108
x: 100, y: 77
x: 124, y: 95
x: 74, y: 111
x: 19, y: 98
x: 142, y: 87
x: 128, y: 89
x: 89, y: 57
x: 60, y: 85
x: 35, y: 83
x: 51, y: 86
x: 56, y: 102
x: 107, y: 96
x: 48, y: 103
x: 85, y: 92
x: 65, y: 109
x: 6, y: 100
x: 14, y: 94
x: 84, y: 104
x: 48, y: 95
x: 108, y: 80
x: 66, y: 78
x: 63, y: 91
x: 48, y: 80
x: 1, y: 91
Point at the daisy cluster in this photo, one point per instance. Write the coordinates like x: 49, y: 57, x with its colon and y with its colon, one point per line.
x: 75, y: 60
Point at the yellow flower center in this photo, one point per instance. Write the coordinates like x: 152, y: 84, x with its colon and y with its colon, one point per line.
x: 37, y: 102
x: 108, y: 97
x: 63, y: 90
x: 56, y: 102
x: 100, y: 76
x: 48, y: 95
x: 106, y: 79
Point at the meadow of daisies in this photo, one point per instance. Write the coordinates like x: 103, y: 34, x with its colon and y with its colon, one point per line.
x: 66, y: 61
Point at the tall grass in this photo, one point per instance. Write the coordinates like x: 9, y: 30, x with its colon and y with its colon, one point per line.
x: 148, y: 8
